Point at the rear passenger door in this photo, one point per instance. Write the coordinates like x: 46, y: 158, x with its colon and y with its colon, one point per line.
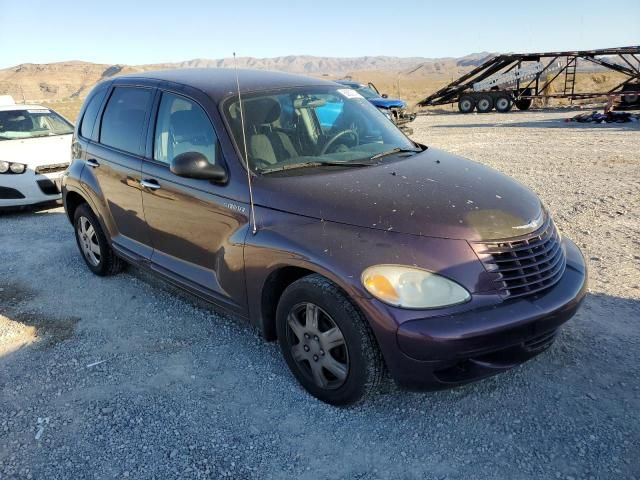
x: 196, y: 231
x: 114, y: 164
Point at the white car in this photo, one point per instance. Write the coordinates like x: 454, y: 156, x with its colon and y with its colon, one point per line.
x: 35, y: 149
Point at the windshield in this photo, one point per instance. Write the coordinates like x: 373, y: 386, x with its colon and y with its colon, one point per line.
x: 30, y: 123
x: 302, y: 127
x: 367, y: 93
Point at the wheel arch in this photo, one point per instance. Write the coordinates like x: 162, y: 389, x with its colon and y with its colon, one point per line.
x: 274, y: 285
x: 72, y: 200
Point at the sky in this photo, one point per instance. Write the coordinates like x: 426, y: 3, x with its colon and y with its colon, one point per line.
x: 140, y: 31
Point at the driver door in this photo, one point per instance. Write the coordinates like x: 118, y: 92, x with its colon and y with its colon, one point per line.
x: 191, y: 225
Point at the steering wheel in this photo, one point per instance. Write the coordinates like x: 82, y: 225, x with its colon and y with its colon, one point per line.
x: 338, y: 135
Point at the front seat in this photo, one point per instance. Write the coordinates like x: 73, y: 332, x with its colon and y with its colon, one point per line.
x: 265, y: 143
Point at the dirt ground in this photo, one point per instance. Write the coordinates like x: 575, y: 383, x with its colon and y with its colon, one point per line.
x: 122, y: 377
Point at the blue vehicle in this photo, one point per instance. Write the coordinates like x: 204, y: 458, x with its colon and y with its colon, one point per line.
x: 394, y: 109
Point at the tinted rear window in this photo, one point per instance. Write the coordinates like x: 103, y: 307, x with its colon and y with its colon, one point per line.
x: 91, y: 113
x: 124, y: 118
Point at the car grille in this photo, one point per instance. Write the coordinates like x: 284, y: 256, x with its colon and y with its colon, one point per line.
x: 53, y: 168
x: 524, y: 265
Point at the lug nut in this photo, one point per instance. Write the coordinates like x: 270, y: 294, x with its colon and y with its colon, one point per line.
x: 322, y: 352
x: 315, y: 357
x: 306, y: 348
x: 306, y: 335
x: 315, y: 337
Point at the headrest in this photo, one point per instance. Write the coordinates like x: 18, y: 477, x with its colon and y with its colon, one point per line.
x: 262, y: 110
x: 184, y: 122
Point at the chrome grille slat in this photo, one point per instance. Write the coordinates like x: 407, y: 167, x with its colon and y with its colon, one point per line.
x: 537, y: 270
x: 556, y: 269
x: 53, y: 168
x: 524, y: 265
x: 547, y: 248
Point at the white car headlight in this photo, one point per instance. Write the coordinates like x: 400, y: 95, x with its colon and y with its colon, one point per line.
x: 12, y: 167
x: 411, y: 287
x: 17, y: 167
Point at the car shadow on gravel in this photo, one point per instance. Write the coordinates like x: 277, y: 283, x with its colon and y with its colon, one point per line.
x: 49, y: 329
x: 8, y: 212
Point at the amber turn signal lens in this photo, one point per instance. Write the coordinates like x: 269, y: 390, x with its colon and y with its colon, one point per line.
x: 381, y: 287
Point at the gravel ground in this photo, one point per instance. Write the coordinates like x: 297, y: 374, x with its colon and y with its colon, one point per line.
x: 122, y: 377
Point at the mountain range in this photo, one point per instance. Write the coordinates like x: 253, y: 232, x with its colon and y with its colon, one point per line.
x: 74, y: 79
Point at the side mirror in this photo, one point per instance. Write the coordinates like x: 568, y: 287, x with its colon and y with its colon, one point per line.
x: 195, y: 165
x: 384, y: 95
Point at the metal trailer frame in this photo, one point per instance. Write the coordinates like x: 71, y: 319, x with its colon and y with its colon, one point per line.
x: 526, y: 90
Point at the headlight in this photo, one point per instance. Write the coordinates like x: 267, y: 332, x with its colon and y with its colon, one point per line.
x: 9, y: 167
x: 411, y: 287
x: 17, y: 167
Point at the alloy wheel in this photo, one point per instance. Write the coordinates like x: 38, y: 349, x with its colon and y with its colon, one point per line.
x: 88, y: 241
x: 318, y: 345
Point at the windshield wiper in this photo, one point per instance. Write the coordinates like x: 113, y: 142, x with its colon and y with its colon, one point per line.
x: 316, y: 163
x: 395, y: 150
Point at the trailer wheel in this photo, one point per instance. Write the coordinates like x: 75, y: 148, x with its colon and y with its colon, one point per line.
x: 485, y: 104
x: 523, y: 103
x: 466, y: 104
x: 503, y: 103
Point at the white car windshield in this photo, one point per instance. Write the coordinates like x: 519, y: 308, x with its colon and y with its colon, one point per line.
x: 32, y: 122
x: 300, y: 127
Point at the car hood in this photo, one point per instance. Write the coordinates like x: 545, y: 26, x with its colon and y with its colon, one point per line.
x: 37, y: 151
x: 432, y: 194
x: 387, y: 102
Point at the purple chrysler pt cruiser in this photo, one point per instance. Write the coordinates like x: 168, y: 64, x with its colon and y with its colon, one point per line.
x: 294, y: 203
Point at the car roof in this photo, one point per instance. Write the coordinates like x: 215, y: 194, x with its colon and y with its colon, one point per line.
x: 219, y: 83
x: 15, y: 107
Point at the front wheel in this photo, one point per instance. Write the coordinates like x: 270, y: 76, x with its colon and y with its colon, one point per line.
x: 93, y: 245
x: 327, y: 343
x: 466, y: 104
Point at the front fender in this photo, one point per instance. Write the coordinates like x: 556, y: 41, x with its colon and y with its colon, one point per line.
x: 342, y: 252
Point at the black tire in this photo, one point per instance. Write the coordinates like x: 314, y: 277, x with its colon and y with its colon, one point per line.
x: 359, y: 351
x: 484, y: 104
x: 523, y: 103
x: 503, y: 103
x: 466, y: 104
x: 104, y: 262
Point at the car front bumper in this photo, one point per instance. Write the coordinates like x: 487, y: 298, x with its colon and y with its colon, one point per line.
x: 29, y: 188
x: 448, y: 350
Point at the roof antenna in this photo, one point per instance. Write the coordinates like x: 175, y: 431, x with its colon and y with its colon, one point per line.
x: 244, y: 141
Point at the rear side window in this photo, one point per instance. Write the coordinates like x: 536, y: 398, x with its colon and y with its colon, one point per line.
x: 124, y: 118
x: 183, y: 126
x: 91, y: 112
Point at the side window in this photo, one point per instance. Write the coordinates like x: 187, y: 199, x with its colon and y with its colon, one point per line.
x: 91, y: 113
x: 182, y: 126
x: 124, y: 118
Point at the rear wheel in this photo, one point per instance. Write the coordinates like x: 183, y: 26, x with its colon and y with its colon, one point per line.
x: 93, y: 245
x: 326, y: 342
x: 503, y: 103
x: 466, y: 104
x: 485, y: 104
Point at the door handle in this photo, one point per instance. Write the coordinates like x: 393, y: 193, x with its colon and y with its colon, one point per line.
x: 93, y: 163
x: 149, y: 183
